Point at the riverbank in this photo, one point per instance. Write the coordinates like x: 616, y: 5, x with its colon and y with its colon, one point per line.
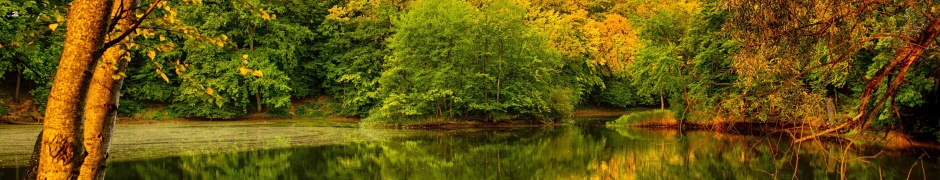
x: 145, y: 140
x: 659, y: 119
x: 582, y: 116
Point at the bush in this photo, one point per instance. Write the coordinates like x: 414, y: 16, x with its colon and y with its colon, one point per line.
x: 624, y: 95
x: 310, y: 110
x: 646, y: 118
x: 130, y: 107
x: 3, y: 108
x: 162, y: 114
x: 283, y: 112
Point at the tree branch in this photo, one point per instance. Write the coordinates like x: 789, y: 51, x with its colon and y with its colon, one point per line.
x: 128, y: 31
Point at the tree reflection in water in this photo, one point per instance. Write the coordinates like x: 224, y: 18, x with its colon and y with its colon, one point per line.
x: 545, y: 153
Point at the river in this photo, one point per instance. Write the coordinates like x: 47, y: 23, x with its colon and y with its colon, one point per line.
x: 296, y: 150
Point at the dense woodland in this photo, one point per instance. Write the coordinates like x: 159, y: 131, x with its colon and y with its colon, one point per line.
x: 870, y: 63
x: 831, y: 65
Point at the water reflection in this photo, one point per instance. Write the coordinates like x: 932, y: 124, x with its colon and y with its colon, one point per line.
x: 570, y: 152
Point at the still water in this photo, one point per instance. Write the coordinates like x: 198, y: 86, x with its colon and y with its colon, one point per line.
x: 563, y: 152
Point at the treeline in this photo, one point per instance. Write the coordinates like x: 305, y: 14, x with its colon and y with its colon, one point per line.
x: 803, y: 61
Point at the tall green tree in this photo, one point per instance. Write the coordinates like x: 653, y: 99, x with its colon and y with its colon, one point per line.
x: 453, y: 58
x: 353, y: 52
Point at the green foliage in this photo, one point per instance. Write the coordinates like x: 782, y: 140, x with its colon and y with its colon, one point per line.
x: 310, y: 110
x: 219, y: 82
x: 31, y: 42
x: 619, y: 92
x: 3, y: 109
x: 646, y: 118
x: 282, y: 113
x: 469, y: 61
x: 352, y: 56
x: 160, y: 114
x: 129, y: 107
x: 496, y: 60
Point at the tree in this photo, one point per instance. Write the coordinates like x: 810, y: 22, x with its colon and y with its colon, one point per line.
x: 784, y: 37
x: 353, y: 52
x: 61, y: 149
x: 104, y: 94
x: 453, y: 59
x: 255, y: 67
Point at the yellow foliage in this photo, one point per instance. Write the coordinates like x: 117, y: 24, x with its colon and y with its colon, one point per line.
x: 243, y: 70
x: 209, y: 90
x: 257, y: 73
x: 53, y: 26
x: 163, y: 75
x: 612, y: 41
x: 264, y: 15
x: 151, y: 54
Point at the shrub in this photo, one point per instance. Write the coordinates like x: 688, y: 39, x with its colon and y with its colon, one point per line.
x: 646, y: 118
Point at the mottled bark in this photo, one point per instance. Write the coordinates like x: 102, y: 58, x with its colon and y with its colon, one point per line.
x: 61, y: 150
x: 104, y: 96
x: 34, y: 159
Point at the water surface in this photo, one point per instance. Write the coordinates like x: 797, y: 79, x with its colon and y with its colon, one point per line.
x: 563, y: 152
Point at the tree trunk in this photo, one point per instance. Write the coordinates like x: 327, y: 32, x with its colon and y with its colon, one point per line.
x: 104, y: 96
x: 16, y: 94
x: 34, y: 159
x: 662, y: 100
x: 61, y: 151
x: 904, y: 58
x: 258, y: 98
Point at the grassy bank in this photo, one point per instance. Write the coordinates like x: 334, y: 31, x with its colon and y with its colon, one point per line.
x: 180, y: 137
x: 578, y: 116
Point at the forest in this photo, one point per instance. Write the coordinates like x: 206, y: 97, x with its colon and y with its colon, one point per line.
x: 496, y: 60
x: 837, y: 66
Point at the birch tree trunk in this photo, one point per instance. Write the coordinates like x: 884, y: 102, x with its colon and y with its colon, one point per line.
x: 104, y: 95
x: 61, y: 151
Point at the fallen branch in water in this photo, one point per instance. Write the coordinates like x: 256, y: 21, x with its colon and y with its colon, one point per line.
x: 830, y: 130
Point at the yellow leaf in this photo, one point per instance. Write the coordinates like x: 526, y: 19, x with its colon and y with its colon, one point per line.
x: 151, y: 54
x: 264, y: 15
x: 220, y: 43
x: 244, y: 56
x: 163, y: 75
x: 224, y: 37
x: 209, y: 91
x: 161, y: 38
x: 243, y: 70
x: 257, y: 73
x: 118, y: 76
x: 53, y: 26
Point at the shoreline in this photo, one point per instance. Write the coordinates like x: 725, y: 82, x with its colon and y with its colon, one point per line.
x: 892, y: 139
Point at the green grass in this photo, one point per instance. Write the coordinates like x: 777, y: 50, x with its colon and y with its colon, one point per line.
x: 145, y: 141
x: 646, y: 118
